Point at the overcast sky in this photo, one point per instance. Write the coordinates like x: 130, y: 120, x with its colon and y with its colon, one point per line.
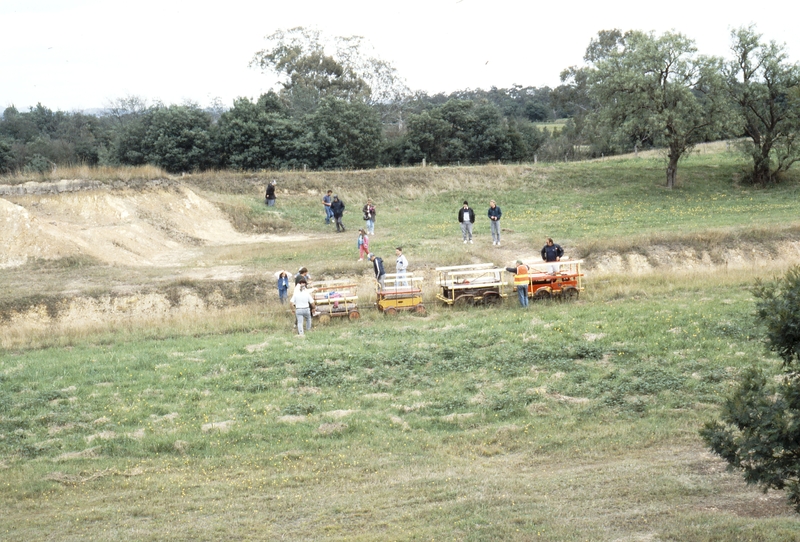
x: 81, y: 54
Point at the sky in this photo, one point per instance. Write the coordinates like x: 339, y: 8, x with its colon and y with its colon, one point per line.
x: 74, y: 55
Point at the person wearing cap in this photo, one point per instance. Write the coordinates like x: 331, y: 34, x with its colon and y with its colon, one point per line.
x: 377, y: 267
x: 494, y: 222
x: 271, y: 193
x: 303, y: 303
x: 521, y: 281
x: 467, y: 218
x: 337, y: 208
x: 400, y: 267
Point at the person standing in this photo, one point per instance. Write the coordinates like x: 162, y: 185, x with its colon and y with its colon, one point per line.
x: 303, y: 303
x: 494, y: 222
x: 302, y: 274
x: 467, y: 218
x: 369, y: 216
x: 400, y: 267
x: 326, y: 205
x: 521, y: 281
x: 377, y: 267
x: 271, y: 193
x: 337, y: 207
x: 552, y: 252
x: 283, y: 286
x: 363, y: 244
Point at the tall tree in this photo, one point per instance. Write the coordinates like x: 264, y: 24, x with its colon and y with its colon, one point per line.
x: 312, y: 68
x: 659, y: 87
x: 766, y: 91
x: 342, y: 134
x: 176, y: 138
x: 259, y: 135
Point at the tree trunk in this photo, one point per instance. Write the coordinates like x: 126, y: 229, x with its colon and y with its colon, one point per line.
x: 761, y: 165
x: 672, y: 170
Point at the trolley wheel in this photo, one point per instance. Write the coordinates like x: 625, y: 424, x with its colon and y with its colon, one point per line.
x: 492, y: 299
x: 541, y: 294
x: 390, y: 311
x: 420, y: 309
x: 569, y: 293
x: 325, y: 319
x: 354, y: 315
x: 464, y: 301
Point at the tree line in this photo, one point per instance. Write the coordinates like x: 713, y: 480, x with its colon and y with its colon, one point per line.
x: 337, y: 106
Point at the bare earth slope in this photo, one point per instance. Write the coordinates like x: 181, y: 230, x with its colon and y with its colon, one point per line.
x: 132, y: 228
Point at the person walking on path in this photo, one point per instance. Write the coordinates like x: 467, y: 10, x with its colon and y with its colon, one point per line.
x: 326, y: 205
x: 363, y: 244
x: 303, y: 303
x: 377, y: 267
x: 552, y: 253
x: 369, y: 216
x: 521, y: 281
x: 467, y: 218
x: 494, y: 222
x: 400, y: 267
x: 337, y: 207
x: 271, y: 193
x: 283, y: 286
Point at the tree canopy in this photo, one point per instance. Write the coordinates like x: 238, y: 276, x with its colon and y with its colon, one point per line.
x: 657, y: 88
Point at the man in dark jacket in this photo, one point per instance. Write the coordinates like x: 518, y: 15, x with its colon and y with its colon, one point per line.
x: 377, y: 266
x: 552, y: 252
x: 467, y: 218
x: 337, y: 208
x: 271, y: 193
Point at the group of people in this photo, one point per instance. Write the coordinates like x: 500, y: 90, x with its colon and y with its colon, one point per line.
x: 401, y: 267
x: 551, y: 253
x: 302, y: 299
x: 334, y: 208
x: 466, y: 216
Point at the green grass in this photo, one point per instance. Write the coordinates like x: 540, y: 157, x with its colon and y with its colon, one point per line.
x: 567, y: 422
x: 571, y: 421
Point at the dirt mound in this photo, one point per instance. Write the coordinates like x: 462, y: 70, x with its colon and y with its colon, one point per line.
x: 140, y: 228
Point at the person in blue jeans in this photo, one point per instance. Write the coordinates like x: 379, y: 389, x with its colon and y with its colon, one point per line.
x: 303, y: 303
x: 521, y: 281
x: 283, y: 286
x: 494, y: 222
x: 326, y: 203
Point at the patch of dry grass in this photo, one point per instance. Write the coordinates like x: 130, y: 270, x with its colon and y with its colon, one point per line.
x: 95, y: 173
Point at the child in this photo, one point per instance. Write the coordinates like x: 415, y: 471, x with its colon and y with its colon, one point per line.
x: 283, y: 286
x: 363, y: 244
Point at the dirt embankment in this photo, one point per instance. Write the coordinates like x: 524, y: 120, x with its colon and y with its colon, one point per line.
x: 151, y: 227
x: 167, y: 226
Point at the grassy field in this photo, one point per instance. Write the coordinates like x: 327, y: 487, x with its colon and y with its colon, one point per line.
x: 573, y: 421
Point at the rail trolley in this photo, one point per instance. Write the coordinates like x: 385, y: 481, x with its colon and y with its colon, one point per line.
x: 566, y: 283
x: 400, y: 293
x: 335, y: 298
x: 462, y: 285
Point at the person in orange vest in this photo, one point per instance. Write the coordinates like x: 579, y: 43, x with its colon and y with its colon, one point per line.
x: 521, y: 282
